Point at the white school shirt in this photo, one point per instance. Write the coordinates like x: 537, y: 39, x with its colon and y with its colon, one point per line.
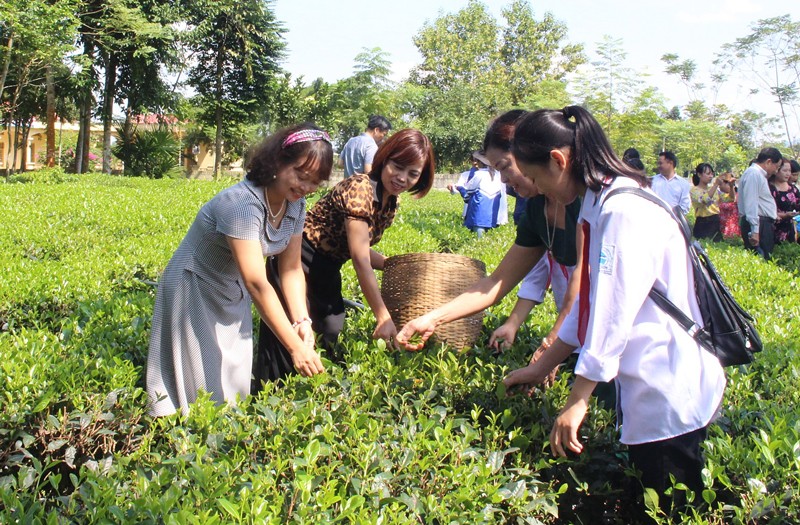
x: 547, y: 273
x: 667, y: 384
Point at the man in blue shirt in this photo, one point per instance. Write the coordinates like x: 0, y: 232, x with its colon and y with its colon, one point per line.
x: 358, y: 152
x: 674, y: 190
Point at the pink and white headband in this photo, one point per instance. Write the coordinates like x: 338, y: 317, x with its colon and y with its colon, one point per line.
x: 305, y: 135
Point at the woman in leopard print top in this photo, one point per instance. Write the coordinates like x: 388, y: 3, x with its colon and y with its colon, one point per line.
x: 344, y: 225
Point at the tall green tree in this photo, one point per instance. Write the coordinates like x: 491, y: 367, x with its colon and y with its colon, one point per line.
x: 366, y: 92
x: 640, y: 126
x: 769, y: 58
x: 236, y: 47
x: 135, y: 44
x: 477, y: 66
x: 35, y: 36
x: 534, y: 51
x: 609, y: 87
x: 458, y: 48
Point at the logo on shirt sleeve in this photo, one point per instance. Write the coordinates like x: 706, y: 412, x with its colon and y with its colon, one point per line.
x: 607, y: 259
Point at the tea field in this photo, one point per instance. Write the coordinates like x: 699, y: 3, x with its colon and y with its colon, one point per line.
x: 383, y: 437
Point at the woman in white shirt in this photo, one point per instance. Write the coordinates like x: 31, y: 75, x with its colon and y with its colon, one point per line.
x: 669, y: 388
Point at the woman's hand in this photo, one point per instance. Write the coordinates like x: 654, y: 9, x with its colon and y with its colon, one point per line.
x: 306, y: 361
x: 550, y: 376
x: 526, y: 378
x: 564, y: 435
x: 305, y: 333
x: 536, y: 373
x: 387, y: 331
x: 423, y: 326
x: 503, y: 337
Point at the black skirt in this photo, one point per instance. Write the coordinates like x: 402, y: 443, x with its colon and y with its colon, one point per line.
x: 707, y: 228
x: 271, y: 360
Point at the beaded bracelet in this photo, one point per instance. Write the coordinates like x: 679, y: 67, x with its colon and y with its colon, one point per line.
x: 301, y: 321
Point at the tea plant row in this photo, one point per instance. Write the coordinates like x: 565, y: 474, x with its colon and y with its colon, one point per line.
x: 383, y: 437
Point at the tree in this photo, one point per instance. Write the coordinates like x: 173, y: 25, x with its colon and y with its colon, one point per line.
x: 534, y: 51
x: 455, y: 120
x: 609, y: 86
x: 236, y: 46
x: 460, y: 48
x: 750, y: 129
x: 477, y: 67
x: 367, y: 92
x: 685, y: 70
x: 34, y: 38
x: 639, y: 127
x: 769, y: 57
x: 695, y: 141
x: 135, y: 43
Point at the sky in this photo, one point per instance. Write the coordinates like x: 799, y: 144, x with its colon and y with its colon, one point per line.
x: 324, y: 36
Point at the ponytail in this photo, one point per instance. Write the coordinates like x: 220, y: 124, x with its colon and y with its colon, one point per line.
x: 593, y: 158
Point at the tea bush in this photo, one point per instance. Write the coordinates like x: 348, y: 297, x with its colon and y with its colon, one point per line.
x: 382, y: 437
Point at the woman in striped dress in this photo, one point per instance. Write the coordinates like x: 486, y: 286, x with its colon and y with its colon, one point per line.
x: 202, y: 333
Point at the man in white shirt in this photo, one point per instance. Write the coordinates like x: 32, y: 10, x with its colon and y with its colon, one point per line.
x: 674, y: 190
x: 358, y: 152
x: 757, y: 209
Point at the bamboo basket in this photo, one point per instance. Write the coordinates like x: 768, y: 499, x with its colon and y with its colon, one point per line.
x: 415, y: 283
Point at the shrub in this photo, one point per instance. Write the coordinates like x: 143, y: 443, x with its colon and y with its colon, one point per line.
x: 382, y: 437
x: 43, y: 176
x: 148, y: 153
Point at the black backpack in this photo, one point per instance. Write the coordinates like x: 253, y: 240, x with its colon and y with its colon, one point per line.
x: 728, y: 331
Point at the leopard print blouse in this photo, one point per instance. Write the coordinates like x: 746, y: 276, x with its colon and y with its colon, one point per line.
x: 356, y: 197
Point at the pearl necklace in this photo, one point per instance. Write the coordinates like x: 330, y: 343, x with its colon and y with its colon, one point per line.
x: 273, y: 216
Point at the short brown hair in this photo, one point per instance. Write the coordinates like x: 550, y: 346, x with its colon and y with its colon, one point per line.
x: 270, y: 157
x: 406, y: 147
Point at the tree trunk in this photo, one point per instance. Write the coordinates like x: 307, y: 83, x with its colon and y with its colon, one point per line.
x: 6, y: 63
x: 15, y: 147
x: 25, y: 130
x: 85, y: 118
x: 779, y: 95
x: 79, y: 143
x: 127, y: 131
x: 60, y: 139
x: 10, y: 141
x: 51, y: 117
x: 87, y: 134
x: 108, y: 110
x: 218, y: 113
x: 15, y: 143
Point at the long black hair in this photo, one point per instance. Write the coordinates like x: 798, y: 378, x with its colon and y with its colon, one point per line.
x: 541, y: 131
x: 703, y: 166
x: 501, y: 131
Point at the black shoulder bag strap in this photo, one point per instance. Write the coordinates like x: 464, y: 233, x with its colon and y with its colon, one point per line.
x: 688, y: 324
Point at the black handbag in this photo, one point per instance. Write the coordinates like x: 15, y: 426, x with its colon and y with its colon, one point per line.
x: 728, y: 330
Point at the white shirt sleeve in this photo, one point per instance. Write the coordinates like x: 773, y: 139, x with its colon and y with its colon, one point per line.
x: 686, y: 201
x: 748, y: 200
x: 624, y: 258
x: 569, y: 328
